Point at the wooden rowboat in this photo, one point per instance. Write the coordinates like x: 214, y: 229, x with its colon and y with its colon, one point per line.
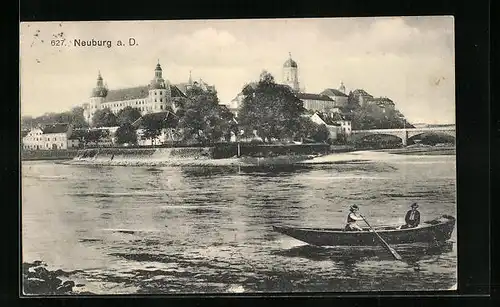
x: 434, y: 231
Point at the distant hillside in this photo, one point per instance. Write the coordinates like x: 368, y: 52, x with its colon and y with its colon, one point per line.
x: 74, y: 117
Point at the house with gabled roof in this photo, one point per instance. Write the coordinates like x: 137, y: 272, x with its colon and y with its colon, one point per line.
x: 336, y: 123
x: 50, y: 137
x: 318, y: 103
x: 338, y: 96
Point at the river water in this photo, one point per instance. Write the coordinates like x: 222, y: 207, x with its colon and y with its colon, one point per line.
x: 208, y: 229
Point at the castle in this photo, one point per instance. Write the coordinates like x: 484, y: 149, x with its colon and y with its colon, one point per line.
x: 159, y: 95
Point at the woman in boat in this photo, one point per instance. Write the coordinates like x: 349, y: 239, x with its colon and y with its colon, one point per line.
x: 412, y: 217
x: 352, y: 218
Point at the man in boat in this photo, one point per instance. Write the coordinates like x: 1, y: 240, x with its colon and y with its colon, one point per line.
x: 352, y: 218
x: 412, y: 217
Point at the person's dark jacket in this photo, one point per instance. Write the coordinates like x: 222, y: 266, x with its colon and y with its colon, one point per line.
x: 412, y: 222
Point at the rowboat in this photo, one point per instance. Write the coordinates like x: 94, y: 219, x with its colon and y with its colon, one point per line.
x: 434, y: 231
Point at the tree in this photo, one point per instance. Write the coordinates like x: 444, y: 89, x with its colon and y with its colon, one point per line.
x: 104, y: 118
x: 306, y: 128
x: 364, y: 118
x: 310, y: 130
x: 94, y: 135
x: 152, y: 127
x: 321, y: 134
x: 77, y: 118
x: 270, y: 109
x: 227, y: 123
x: 202, y: 119
x: 126, y: 133
x: 26, y: 122
x: 352, y: 101
x: 82, y: 135
x: 128, y: 115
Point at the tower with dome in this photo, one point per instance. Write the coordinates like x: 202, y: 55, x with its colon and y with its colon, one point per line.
x: 290, y: 73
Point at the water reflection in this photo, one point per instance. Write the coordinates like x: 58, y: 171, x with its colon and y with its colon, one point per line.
x: 411, y: 254
x: 274, y: 171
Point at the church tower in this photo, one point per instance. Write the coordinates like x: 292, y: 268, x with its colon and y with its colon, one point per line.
x: 290, y: 74
x: 342, y: 87
x: 97, y: 97
x: 159, y: 92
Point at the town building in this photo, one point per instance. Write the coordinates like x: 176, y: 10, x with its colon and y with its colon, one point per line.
x: 329, y: 101
x: 337, y: 124
x: 365, y: 99
x: 361, y: 96
x: 237, y: 101
x: 190, y: 83
x: 337, y: 95
x: 383, y: 103
x: 157, y: 96
x: 50, y: 137
x: 318, y: 102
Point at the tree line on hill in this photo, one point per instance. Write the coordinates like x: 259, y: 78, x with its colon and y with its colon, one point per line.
x: 371, y: 116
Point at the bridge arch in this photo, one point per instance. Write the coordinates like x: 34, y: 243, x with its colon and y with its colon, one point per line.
x: 366, y: 138
x: 434, y: 137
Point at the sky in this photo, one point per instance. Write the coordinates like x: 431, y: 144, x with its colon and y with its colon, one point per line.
x: 408, y: 59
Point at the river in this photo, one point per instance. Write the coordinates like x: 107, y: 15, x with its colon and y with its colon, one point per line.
x: 174, y: 230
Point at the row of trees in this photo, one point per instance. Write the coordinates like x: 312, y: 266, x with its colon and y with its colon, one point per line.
x: 373, y: 117
x: 269, y: 110
x: 75, y: 117
x: 274, y: 112
x: 370, y: 116
x: 106, y: 118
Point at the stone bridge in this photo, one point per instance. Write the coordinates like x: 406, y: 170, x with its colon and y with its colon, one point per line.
x: 403, y: 134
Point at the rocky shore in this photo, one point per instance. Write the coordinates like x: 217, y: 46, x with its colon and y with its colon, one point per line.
x: 38, y: 280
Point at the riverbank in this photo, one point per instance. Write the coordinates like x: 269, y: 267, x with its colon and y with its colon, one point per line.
x: 38, y: 280
x: 421, y: 151
x: 224, y: 154
x: 58, y: 154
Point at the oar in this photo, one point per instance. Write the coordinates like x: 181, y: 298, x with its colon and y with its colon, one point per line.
x: 389, y: 248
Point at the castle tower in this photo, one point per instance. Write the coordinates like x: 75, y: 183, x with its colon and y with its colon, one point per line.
x: 159, y: 92
x: 342, y: 87
x: 290, y: 73
x: 99, y: 93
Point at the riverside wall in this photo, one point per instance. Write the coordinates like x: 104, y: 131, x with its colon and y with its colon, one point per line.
x: 61, y: 154
x: 122, y: 155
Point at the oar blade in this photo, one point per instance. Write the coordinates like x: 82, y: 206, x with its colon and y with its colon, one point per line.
x: 395, y: 254
x: 387, y: 246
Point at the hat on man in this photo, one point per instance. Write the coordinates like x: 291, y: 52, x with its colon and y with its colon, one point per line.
x: 354, y: 207
x: 414, y: 205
